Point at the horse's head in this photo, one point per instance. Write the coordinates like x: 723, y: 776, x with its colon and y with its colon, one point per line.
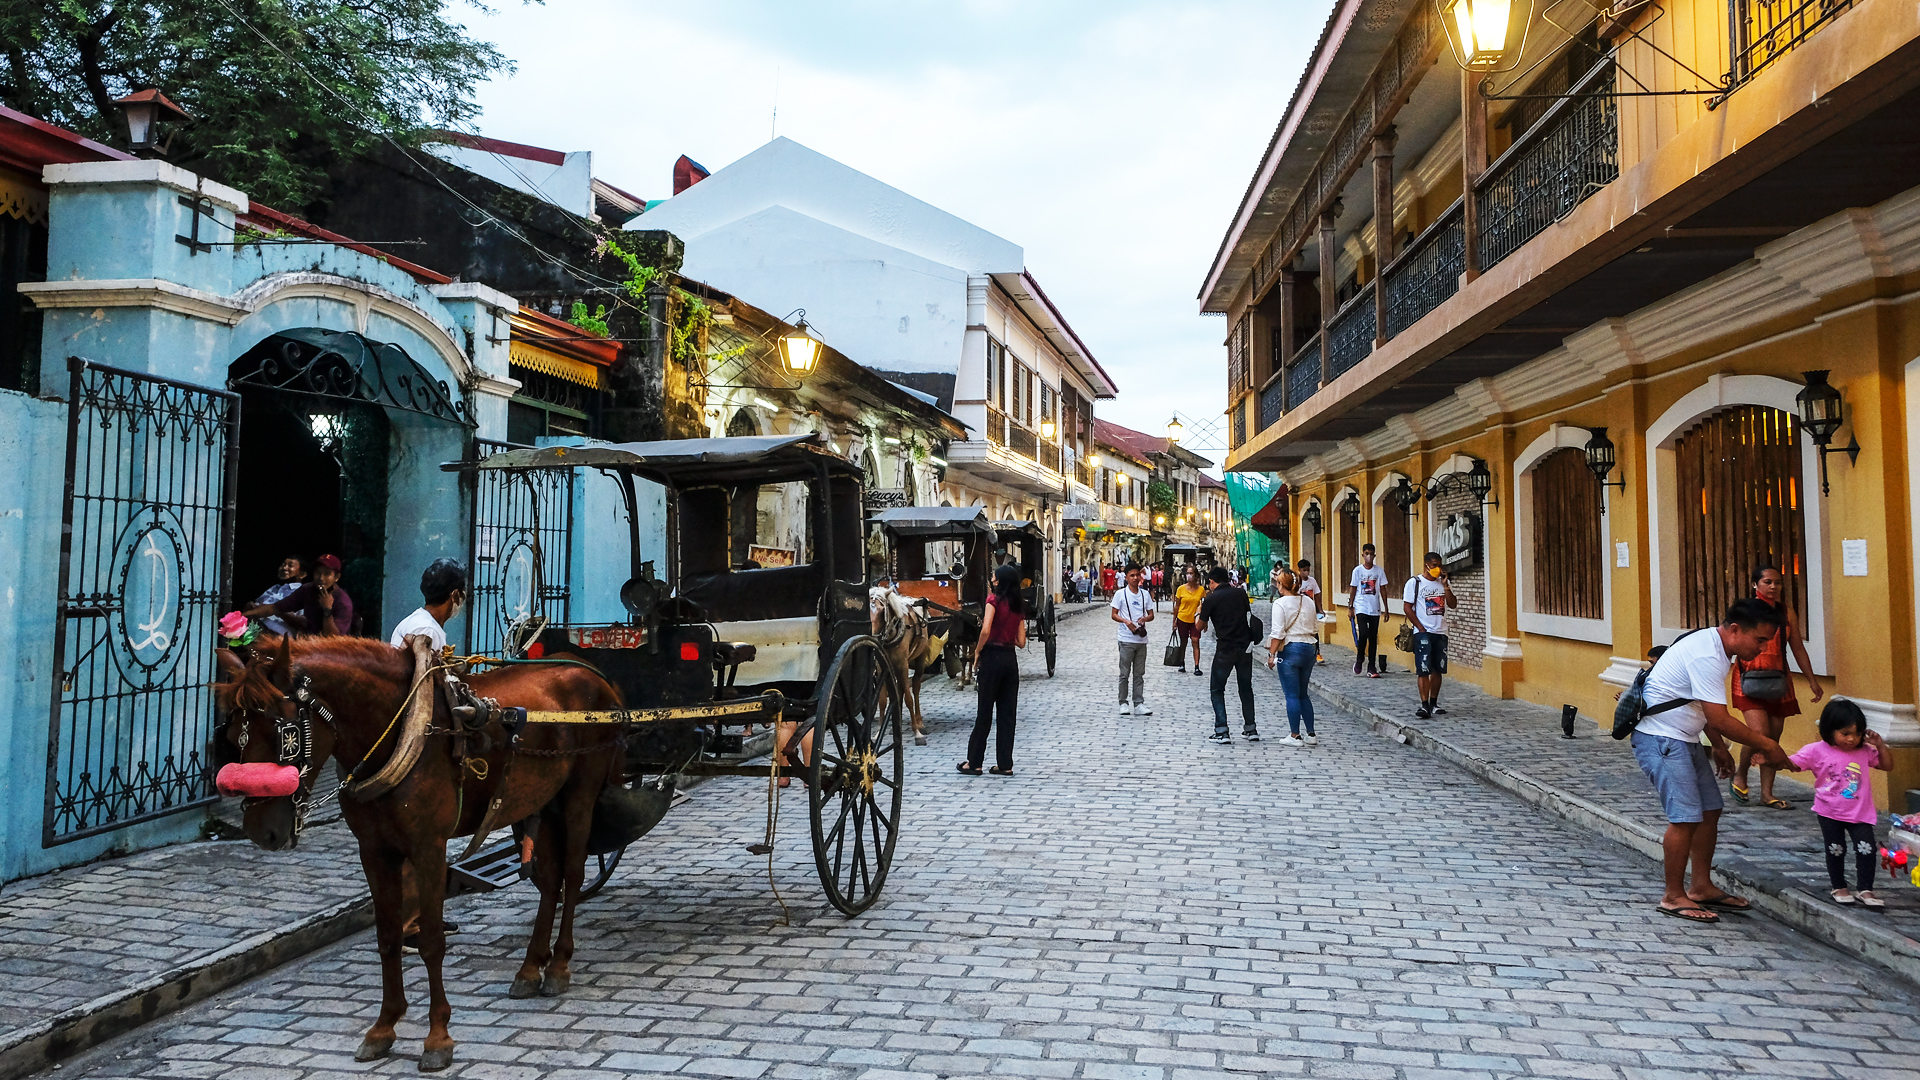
x: 270, y: 715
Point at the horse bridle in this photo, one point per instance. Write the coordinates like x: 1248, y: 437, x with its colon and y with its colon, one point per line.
x: 294, y: 735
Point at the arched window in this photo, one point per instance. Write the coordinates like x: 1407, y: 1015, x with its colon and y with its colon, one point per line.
x: 1569, y: 569
x: 1737, y: 481
x: 743, y: 425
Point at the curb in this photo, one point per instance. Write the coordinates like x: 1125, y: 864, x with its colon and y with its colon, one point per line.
x: 29, y: 1049
x: 1769, y: 892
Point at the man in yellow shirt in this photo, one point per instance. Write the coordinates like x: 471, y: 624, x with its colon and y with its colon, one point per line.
x: 1186, y: 605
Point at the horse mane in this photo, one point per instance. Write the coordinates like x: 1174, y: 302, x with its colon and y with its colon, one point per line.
x: 254, y: 689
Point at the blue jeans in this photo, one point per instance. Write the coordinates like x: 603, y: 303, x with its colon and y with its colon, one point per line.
x: 1295, y: 664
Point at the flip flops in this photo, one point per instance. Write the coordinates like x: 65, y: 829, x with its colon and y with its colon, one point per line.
x: 1727, y: 902
x: 1777, y: 804
x: 1739, y: 793
x: 968, y: 770
x: 1690, y: 914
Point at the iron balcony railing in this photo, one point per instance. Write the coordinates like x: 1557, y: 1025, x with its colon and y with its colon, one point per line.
x: 1428, y: 272
x: 1272, y: 400
x: 1765, y: 30
x: 1023, y: 441
x: 1050, y: 455
x: 1572, y: 152
x: 1303, y: 375
x: 1350, y: 334
x: 996, y: 426
x: 1239, y: 423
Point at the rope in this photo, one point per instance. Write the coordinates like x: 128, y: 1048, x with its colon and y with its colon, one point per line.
x: 773, y: 822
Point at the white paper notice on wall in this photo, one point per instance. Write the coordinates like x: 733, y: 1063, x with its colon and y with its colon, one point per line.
x: 1853, y: 558
x: 1620, y: 553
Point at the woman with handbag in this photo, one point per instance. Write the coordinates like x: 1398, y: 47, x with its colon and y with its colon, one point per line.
x: 1763, y: 690
x: 1292, y: 644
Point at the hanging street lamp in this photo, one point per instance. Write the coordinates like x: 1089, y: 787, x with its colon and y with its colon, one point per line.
x: 1486, y: 35
x: 1821, y: 413
x: 800, y: 350
x: 1175, y: 429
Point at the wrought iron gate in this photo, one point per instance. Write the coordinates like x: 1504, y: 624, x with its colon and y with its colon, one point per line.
x: 521, y: 542
x: 146, y: 540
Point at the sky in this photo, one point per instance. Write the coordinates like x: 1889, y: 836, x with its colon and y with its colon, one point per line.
x: 1113, y: 141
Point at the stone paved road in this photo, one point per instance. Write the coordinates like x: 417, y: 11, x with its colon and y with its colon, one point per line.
x: 1136, y: 905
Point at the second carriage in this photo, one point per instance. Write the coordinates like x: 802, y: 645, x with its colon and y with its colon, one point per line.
x: 946, y: 555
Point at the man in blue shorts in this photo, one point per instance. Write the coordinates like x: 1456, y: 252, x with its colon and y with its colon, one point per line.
x: 1429, y: 595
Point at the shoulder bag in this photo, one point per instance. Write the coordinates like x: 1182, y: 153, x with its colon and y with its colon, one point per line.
x: 1176, y: 654
x: 1404, y: 639
x: 1764, y: 684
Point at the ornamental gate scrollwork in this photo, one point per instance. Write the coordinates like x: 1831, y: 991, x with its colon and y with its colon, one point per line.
x: 521, y: 540
x: 146, y: 543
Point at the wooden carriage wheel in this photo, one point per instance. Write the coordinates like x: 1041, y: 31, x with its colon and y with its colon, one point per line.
x: 1049, y: 622
x: 855, y: 775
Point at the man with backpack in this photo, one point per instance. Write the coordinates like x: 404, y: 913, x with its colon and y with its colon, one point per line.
x: 1666, y: 709
x: 1227, y: 610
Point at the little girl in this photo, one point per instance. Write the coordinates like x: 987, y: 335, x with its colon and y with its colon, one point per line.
x: 1843, y: 794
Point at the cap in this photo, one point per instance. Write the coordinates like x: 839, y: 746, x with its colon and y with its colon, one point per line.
x: 328, y: 561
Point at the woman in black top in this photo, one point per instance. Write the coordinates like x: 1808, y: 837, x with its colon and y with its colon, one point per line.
x: 1003, y: 630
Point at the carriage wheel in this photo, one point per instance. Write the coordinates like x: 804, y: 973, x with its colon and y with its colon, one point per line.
x: 854, y: 777
x: 1048, y: 624
x: 958, y: 659
x: 596, y: 879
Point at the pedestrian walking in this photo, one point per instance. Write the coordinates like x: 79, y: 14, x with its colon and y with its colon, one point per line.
x: 1310, y: 588
x: 1107, y: 583
x: 1667, y: 745
x: 443, y: 592
x: 1294, y: 640
x: 1842, y: 763
x: 1186, y: 608
x: 997, y: 673
x: 1763, y: 689
x: 1428, y: 596
x: 1132, y: 608
x: 1227, y: 611
x: 1367, y: 586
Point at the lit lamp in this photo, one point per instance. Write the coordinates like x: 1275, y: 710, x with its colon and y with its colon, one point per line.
x: 1093, y: 460
x: 1480, y: 482
x: 1601, y: 458
x: 1486, y: 35
x: 144, y: 111
x: 1046, y: 430
x: 1821, y: 414
x: 1175, y: 429
x: 800, y: 350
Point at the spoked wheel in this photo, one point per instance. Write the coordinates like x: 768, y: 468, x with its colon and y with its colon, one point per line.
x: 854, y: 777
x: 958, y: 659
x: 596, y: 878
x: 1048, y: 622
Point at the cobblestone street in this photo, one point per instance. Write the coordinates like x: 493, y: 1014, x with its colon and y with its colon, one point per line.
x: 1135, y: 904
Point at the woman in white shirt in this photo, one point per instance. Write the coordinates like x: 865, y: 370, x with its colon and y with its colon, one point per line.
x: 1293, y: 641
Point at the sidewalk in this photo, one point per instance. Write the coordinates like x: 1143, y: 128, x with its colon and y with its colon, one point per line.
x: 1773, y: 857
x: 97, y: 950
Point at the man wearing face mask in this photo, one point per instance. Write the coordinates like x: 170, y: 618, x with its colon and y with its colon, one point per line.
x: 444, y: 588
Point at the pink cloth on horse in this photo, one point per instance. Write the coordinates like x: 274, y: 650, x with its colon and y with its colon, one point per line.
x: 257, y: 779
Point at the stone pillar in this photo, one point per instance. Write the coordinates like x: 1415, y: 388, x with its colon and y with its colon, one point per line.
x: 1383, y: 230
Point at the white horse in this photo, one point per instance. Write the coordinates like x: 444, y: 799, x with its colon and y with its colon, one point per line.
x: 905, y: 634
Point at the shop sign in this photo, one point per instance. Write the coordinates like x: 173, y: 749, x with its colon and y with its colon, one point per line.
x: 1460, y: 542
x: 886, y: 499
x: 769, y: 557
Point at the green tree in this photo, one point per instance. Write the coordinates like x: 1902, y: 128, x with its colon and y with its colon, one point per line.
x: 277, y: 89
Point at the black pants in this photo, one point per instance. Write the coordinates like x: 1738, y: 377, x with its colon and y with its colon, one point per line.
x: 1235, y: 660
x: 1849, y: 836
x: 1366, y: 640
x: 999, y: 680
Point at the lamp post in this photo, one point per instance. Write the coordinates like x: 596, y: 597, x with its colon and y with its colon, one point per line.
x: 1821, y: 413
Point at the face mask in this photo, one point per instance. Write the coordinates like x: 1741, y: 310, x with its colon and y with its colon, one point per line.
x: 1433, y: 572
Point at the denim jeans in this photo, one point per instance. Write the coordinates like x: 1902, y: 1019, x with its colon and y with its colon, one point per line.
x: 1296, y: 666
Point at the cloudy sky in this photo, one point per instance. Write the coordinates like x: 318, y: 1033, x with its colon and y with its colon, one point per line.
x: 1112, y: 140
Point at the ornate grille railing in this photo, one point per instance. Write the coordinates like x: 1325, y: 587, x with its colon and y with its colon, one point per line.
x: 996, y: 426
x: 1050, y: 455
x: 1571, y: 153
x: 1303, y: 375
x: 522, y: 542
x: 1023, y: 441
x: 1239, y: 423
x: 147, y: 537
x: 1765, y: 30
x: 1428, y: 272
x: 1350, y: 334
x: 1273, y: 400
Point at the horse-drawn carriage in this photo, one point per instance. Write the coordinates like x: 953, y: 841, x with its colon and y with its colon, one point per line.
x: 954, y: 578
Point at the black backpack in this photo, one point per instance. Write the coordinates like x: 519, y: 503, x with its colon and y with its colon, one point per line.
x: 1633, y: 700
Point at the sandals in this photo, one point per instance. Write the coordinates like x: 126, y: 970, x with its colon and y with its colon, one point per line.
x: 998, y: 771
x: 1777, y: 803
x: 1842, y: 897
x: 1690, y: 914
x: 1865, y: 896
x: 1727, y: 902
x: 1739, y: 793
x: 968, y: 770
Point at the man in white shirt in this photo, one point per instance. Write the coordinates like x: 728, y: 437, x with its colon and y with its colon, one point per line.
x: 1310, y: 589
x: 444, y: 588
x: 1367, y: 586
x: 1132, y: 608
x: 1667, y: 745
x: 1428, y: 597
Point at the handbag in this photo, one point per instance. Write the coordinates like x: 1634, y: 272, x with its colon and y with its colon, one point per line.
x: 1176, y: 654
x: 1764, y: 684
x: 1404, y: 639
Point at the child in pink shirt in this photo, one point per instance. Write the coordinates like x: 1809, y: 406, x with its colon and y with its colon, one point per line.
x: 1842, y: 763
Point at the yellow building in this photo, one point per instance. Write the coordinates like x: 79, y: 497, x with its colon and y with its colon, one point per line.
x: 1655, y: 235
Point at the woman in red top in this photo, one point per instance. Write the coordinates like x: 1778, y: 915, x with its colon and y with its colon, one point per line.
x: 1769, y: 715
x: 998, y: 673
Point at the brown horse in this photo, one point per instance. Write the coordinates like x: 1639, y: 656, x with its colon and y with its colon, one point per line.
x: 359, y: 693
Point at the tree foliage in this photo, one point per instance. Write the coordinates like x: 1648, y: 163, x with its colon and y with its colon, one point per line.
x: 277, y: 89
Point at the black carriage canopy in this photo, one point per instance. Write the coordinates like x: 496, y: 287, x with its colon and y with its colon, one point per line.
x: 933, y: 522
x: 1008, y: 529
x: 761, y: 459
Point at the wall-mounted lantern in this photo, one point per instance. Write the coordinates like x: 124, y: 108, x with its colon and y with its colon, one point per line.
x: 1601, y: 458
x: 1821, y: 414
x: 145, y: 111
x: 800, y: 350
x: 1310, y: 517
x: 1486, y: 35
x: 1351, y: 507
x: 1405, y: 496
x: 1480, y: 482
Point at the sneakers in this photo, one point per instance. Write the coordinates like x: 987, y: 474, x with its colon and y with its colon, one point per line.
x: 1312, y: 739
x: 1220, y: 737
x: 1356, y: 665
x: 1293, y: 742
x: 1126, y: 709
x: 1142, y: 710
x: 1250, y: 735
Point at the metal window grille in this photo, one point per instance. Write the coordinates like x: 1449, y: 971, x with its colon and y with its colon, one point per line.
x: 1350, y: 335
x: 1427, y: 274
x: 1743, y: 467
x: 522, y: 540
x: 1568, y: 564
x: 1571, y: 153
x: 1765, y: 30
x: 147, y: 539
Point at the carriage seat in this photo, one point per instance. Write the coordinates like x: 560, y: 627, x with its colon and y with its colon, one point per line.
x: 777, y: 592
x: 782, y: 650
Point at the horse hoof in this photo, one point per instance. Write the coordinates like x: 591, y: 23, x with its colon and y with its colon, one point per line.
x: 523, y: 988
x: 435, y: 1060
x: 552, y: 987
x: 919, y: 740
x: 373, y: 1049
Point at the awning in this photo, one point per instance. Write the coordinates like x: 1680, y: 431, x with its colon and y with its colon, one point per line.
x: 546, y: 362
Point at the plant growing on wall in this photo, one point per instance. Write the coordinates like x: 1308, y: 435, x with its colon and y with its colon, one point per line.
x: 1160, y: 498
